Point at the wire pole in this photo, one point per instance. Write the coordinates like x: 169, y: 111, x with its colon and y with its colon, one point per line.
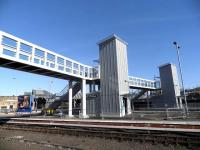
x: 179, y: 62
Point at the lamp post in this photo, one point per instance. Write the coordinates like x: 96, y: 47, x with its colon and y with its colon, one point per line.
x: 179, y: 62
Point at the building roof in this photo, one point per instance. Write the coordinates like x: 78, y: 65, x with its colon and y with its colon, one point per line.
x: 113, y: 36
x: 166, y: 64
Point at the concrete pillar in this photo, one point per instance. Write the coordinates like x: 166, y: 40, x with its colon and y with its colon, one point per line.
x: 70, y: 99
x: 83, y: 102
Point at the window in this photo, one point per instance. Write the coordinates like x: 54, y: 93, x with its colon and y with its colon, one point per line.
x: 68, y: 70
x: 60, y: 60
x: 86, y: 71
x: 50, y: 57
x: 75, y: 72
x: 81, y: 70
x: 145, y: 83
x: 42, y: 62
x: 138, y: 82
x: 9, y: 42
x: 37, y: 61
x: 23, y: 57
x: 47, y: 64
x: 90, y: 70
x: 60, y: 68
x: 68, y: 64
x: 52, y: 65
x: 75, y: 66
x: 39, y: 53
x: 26, y: 48
x: 9, y: 53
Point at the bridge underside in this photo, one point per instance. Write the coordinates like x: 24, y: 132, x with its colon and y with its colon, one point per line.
x: 142, y: 88
x: 34, y: 69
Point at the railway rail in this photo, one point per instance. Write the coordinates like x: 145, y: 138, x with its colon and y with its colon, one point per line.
x: 154, y: 132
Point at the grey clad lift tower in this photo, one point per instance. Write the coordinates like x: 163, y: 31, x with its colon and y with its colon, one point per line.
x: 170, y: 86
x: 114, y: 77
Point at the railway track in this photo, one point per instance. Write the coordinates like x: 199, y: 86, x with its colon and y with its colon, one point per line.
x: 34, y: 142
x: 114, y: 131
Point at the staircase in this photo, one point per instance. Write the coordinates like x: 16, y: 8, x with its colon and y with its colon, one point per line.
x: 139, y: 94
x: 64, y: 94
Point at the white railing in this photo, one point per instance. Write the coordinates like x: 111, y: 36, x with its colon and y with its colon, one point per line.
x: 19, y: 50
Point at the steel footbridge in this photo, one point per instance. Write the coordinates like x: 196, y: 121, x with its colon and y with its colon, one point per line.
x: 19, y: 54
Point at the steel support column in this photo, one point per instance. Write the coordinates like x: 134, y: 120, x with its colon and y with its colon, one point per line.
x: 90, y: 87
x: 83, y: 102
x: 93, y: 87
x: 70, y: 100
x: 128, y: 106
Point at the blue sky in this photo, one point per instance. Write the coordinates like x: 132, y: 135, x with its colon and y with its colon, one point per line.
x: 73, y: 28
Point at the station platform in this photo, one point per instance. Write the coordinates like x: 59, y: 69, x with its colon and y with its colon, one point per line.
x: 176, y: 126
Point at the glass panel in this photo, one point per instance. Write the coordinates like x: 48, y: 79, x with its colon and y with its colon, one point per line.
x: 50, y: 57
x: 9, y: 53
x: 157, y: 84
x: 23, y: 57
x: 68, y: 63
x: 47, y: 64
x: 86, y: 71
x: 60, y: 68
x: 75, y: 66
x: 42, y: 62
x: 75, y: 72
x: 25, y: 48
x: 60, y: 60
x: 52, y: 65
x: 37, y: 61
x: 39, y: 53
x: 81, y: 70
x: 95, y: 72
x: 90, y: 70
x: 9, y: 41
x: 68, y: 70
